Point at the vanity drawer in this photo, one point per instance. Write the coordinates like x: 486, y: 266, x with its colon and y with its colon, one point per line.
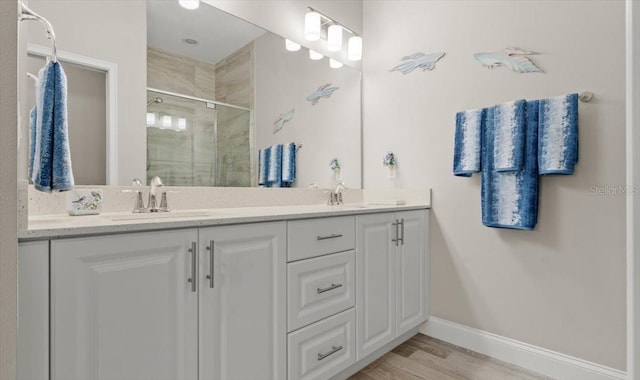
x: 315, y: 237
x: 324, y: 349
x: 320, y: 287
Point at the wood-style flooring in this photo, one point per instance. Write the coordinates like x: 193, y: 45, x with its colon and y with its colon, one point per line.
x: 423, y: 357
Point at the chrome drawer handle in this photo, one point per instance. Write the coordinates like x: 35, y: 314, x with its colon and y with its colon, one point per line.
x: 194, y: 266
x: 332, y: 236
x: 334, y: 349
x: 333, y: 286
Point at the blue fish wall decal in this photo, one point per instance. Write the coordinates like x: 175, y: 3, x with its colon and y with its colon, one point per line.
x: 513, y: 58
x: 418, y: 60
x: 282, y: 119
x: 324, y: 91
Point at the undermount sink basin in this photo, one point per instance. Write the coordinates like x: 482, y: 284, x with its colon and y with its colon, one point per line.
x: 159, y: 215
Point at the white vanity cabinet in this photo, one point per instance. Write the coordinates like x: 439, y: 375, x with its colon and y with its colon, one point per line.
x: 392, y: 277
x: 122, y: 307
x: 243, y: 302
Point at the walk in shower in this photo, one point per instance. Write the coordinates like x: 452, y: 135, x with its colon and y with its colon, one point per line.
x: 197, y: 142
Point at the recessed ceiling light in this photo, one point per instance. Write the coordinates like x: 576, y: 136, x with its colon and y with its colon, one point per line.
x: 189, y: 4
x: 190, y: 41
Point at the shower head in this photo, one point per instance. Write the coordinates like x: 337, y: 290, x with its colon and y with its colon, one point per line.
x: 154, y: 100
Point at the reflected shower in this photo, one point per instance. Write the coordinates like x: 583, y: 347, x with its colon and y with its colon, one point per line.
x: 154, y: 100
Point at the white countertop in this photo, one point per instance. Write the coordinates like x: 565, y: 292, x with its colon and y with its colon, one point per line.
x: 61, y: 225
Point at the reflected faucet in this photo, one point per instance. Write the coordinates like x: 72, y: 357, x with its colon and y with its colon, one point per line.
x: 154, y: 183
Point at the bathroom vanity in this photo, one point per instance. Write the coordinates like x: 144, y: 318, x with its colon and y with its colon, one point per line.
x: 297, y: 292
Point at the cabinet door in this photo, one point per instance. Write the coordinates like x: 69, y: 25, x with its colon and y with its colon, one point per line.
x: 122, y: 307
x: 411, y: 271
x: 375, y: 277
x: 243, y: 316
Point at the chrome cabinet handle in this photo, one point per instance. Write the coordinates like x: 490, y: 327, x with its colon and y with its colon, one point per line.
x: 334, y: 349
x: 194, y: 267
x: 397, y: 238
x: 332, y: 236
x: 402, y: 230
x: 333, y: 286
x: 210, y: 248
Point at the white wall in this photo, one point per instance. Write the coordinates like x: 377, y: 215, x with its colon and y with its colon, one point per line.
x: 562, y: 286
x: 109, y: 30
x: 328, y: 129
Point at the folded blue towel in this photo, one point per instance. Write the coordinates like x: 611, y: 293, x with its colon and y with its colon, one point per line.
x: 509, y: 124
x: 510, y: 199
x: 52, y: 159
x: 558, y: 135
x: 274, y: 171
x: 263, y: 166
x: 288, y: 164
x: 466, y: 149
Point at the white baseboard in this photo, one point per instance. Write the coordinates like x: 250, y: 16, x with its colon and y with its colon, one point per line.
x: 547, y: 362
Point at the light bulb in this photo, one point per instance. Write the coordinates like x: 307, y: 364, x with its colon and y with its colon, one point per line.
x: 335, y: 64
x: 355, y: 48
x: 334, y: 38
x: 151, y: 118
x: 314, y: 55
x: 312, y: 26
x: 189, y: 4
x: 166, y: 121
x: 182, y: 123
x: 291, y: 46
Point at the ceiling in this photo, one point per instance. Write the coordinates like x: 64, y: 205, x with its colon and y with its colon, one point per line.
x: 218, y: 33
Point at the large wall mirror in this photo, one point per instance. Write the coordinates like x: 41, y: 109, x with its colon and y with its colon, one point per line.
x: 215, y: 91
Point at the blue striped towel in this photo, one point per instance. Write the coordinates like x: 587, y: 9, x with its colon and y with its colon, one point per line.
x: 51, y: 170
x: 509, y: 125
x: 288, y: 164
x: 558, y: 135
x: 274, y: 171
x: 263, y: 165
x: 510, y: 199
x: 466, y: 149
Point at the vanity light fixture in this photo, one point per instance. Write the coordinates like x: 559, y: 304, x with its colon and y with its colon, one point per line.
x: 314, y: 55
x: 312, y: 26
x: 189, y: 4
x: 334, y: 38
x: 355, y: 48
x: 317, y: 25
x: 335, y: 64
x: 291, y: 46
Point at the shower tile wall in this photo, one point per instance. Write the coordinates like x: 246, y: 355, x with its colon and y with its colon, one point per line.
x: 230, y: 81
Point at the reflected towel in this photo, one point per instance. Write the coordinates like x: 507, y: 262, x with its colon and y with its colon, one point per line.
x: 509, y: 125
x: 274, y: 171
x: 467, y: 144
x: 510, y: 199
x: 51, y: 158
x: 263, y: 166
x: 558, y: 135
x: 288, y: 164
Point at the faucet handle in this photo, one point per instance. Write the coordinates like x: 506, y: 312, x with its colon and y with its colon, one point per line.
x: 164, y: 204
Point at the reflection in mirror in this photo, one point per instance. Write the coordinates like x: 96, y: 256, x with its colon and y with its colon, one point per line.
x: 217, y: 58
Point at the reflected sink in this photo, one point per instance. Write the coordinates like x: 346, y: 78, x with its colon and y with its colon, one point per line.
x: 159, y: 215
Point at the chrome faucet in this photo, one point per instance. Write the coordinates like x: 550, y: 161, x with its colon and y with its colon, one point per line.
x: 335, y: 197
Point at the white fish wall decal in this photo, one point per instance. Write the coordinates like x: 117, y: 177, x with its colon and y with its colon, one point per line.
x: 324, y: 91
x: 418, y: 60
x: 513, y: 58
x: 282, y: 119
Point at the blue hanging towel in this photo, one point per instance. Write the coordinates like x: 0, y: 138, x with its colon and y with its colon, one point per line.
x: 51, y: 170
x: 558, y: 135
x: 33, y: 115
x: 509, y: 129
x: 263, y: 165
x: 510, y: 199
x: 467, y: 144
x: 274, y: 172
x: 288, y: 164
